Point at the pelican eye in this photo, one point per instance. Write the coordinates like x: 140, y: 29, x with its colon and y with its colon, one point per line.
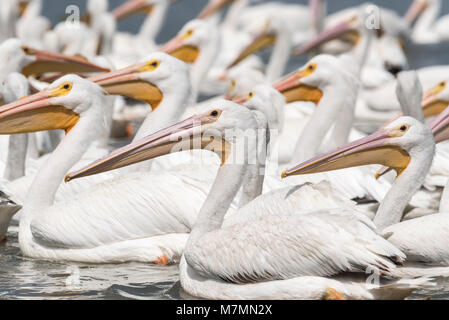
x: 63, y: 89
x: 214, y: 113
x: 308, y: 70
x: 251, y: 94
x: 403, y: 128
x: 438, y: 88
x: 150, y: 65
x: 188, y: 34
x: 27, y: 50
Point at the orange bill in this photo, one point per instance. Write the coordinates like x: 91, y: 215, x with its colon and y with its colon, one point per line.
x: 188, y: 134
x: 374, y: 149
x: 46, y: 61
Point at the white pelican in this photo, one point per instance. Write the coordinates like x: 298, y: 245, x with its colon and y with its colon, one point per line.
x: 384, y: 57
x: 196, y: 43
x: 30, y: 61
x: 264, y: 33
x: 243, y: 78
x: 197, y: 185
x: 15, y: 87
x: 265, y: 100
x: 31, y: 27
x: 332, y: 77
x: 56, y: 231
x: 297, y: 17
x: 277, y: 197
x: 429, y: 27
x: 232, y: 41
x: 87, y: 38
x: 360, y: 183
x: 136, y: 46
x: 164, y: 86
x: 407, y: 145
x: 103, y: 25
x: 276, y: 256
x: 237, y: 32
x: 332, y: 86
x: 159, y: 237
x: 377, y: 101
x: 9, y: 13
x: 434, y: 101
x: 159, y: 80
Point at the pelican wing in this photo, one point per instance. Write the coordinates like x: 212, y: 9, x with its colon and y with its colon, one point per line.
x: 291, y: 200
x: 137, y: 206
x: 323, y: 243
x: 422, y: 239
x: 439, y: 171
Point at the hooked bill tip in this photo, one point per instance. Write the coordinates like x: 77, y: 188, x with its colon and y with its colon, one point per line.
x: 284, y: 174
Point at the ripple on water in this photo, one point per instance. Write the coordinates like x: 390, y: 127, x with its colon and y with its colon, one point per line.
x: 24, y: 278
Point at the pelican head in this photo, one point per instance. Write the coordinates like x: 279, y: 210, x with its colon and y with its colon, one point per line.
x: 196, y: 36
x: 242, y: 78
x: 215, y: 130
x: 60, y: 106
x: 348, y: 30
x: 17, y: 57
x: 263, y: 34
x: 388, y: 43
x: 149, y: 80
x: 436, y: 99
x: 393, y: 146
x: 312, y: 80
x: 269, y: 101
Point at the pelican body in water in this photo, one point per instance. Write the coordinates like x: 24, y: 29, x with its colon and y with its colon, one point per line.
x: 66, y: 230
x: 71, y: 230
x: 275, y: 256
x: 407, y: 146
x: 161, y: 81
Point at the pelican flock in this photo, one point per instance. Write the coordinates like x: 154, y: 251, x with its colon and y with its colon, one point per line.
x: 257, y: 176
